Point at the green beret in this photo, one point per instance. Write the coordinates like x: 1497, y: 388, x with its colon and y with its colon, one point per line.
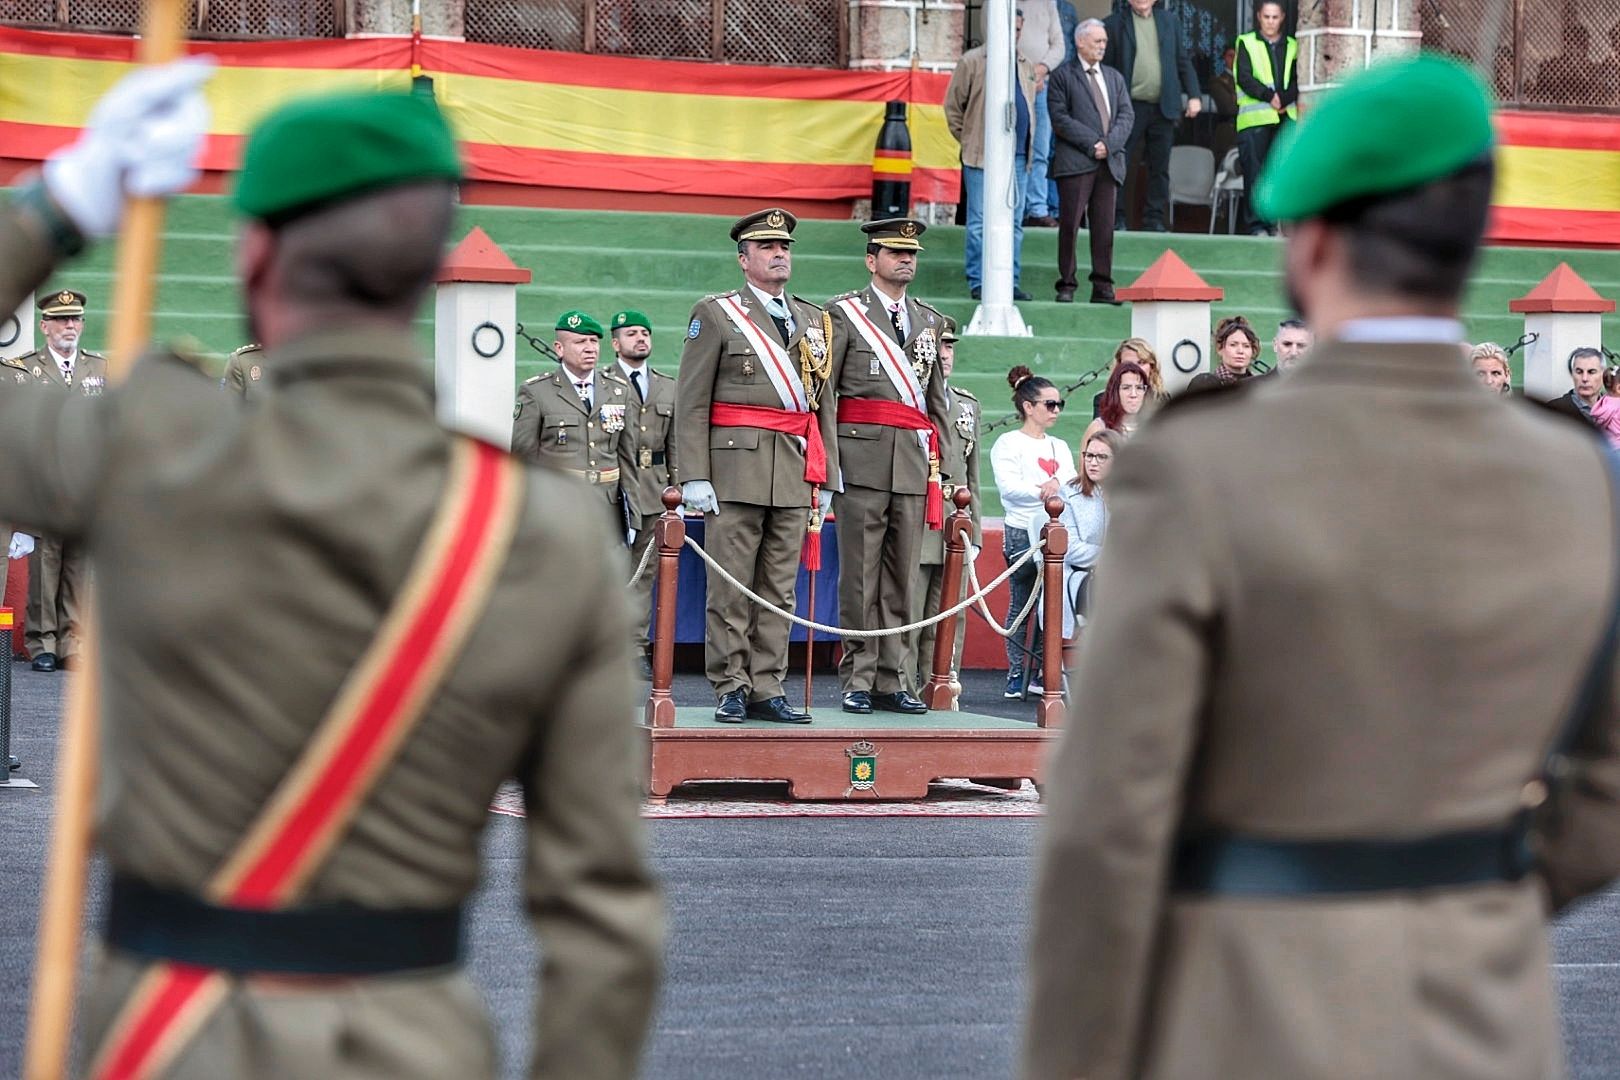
x: 579, y: 323
x: 1396, y: 125
x: 630, y: 318
x: 319, y: 149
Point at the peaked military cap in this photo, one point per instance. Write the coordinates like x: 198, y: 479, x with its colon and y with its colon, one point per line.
x: 949, y: 332
x: 897, y: 233
x: 630, y: 318
x: 317, y: 150
x: 578, y: 322
x: 771, y: 224
x: 1396, y: 125
x: 62, y: 305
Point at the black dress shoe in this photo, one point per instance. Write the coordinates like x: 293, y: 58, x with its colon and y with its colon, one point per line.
x: 901, y: 701
x: 45, y: 661
x: 975, y: 292
x: 1020, y: 294
x: 777, y: 711
x: 1108, y: 297
x: 733, y: 707
x: 1065, y: 296
x: 858, y: 701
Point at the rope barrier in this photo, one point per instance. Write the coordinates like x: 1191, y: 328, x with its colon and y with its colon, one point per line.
x: 646, y: 558
x: 889, y: 631
x: 979, y: 594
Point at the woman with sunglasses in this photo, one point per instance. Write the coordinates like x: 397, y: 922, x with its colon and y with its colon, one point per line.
x: 1236, y: 346
x: 1122, y: 402
x: 1085, y: 516
x: 1030, y: 465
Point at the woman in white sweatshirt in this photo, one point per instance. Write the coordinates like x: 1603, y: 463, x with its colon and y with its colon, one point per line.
x: 1029, y: 466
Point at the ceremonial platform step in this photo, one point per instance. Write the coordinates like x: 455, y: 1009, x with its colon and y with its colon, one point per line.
x: 848, y: 757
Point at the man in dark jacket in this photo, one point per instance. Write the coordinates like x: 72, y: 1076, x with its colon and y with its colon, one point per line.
x: 1091, y: 120
x: 1147, y: 46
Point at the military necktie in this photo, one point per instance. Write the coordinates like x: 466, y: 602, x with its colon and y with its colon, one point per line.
x: 635, y: 381
x: 777, y: 309
x: 894, y: 317
x: 584, y: 389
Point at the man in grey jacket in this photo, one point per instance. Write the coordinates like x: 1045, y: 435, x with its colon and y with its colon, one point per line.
x: 1092, y: 118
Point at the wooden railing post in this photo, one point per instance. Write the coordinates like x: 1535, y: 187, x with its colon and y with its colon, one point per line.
x: 1055, y: 538
x: 670, y: 536
x: 941, y: 693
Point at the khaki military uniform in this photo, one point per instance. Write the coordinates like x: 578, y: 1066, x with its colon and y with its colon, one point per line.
x: 959, y: 465
x: 758, y: 478
x: 244, y: 372
x: 58, y: 575
x: 652, y: 468
x: 267, y: 549
x: 882, y: 508
x: 552, y: 426
x: 1321, y: 616
x: 13, y: 371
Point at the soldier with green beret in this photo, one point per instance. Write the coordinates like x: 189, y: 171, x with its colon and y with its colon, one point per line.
x: 576, y: 418
x: 349, y: 579
x: 58, y: 575
x: 650, y: 422
x: 1338, y: 746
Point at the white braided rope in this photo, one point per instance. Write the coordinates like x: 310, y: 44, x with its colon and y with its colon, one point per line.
x: 1017, y: 624
x: 646, y: 560
x: 888, y: 631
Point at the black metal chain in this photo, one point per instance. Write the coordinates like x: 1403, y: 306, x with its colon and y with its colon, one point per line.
x: 1013, y: 418
x: 539, y: 346
x: 1527, y: 339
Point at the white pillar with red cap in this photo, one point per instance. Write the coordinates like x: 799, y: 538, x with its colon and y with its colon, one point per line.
x: 1170, y: 311
x: 475, y: 337
x: 17, y: 331
x: 1563, y: 314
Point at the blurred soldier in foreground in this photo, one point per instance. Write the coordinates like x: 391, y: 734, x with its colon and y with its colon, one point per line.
x: 372, y: 623
x: 1300, y: 825
x: 244, y: 371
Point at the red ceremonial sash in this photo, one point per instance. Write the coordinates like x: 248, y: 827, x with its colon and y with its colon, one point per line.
x: 376, y: 708
x: 802, y: 424
x: 894, y: 414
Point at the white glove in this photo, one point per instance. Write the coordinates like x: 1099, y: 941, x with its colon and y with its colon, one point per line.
x: 22, y: 546
x: 699, y: 495
x: 142, y: 139
x: 826, y: 501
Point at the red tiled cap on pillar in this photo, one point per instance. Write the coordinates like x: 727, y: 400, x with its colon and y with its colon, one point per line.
x: 1561, y: 292
x: 1169, y: 278
x: 479, y: 259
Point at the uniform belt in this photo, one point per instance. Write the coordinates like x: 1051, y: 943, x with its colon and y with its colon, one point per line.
x: 337, y: 939
x: 595, y: 476
x: 1226, y: 864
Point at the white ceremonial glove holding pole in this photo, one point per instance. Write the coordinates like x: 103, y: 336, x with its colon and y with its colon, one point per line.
x: 22, y: 546
x: 699, y: 495
x: 143, y: 139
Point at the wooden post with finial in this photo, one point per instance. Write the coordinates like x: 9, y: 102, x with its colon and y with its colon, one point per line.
x: 1055, y: 543
x: 50, y: 1018
x: 942, y: 692
x: 670, y: 536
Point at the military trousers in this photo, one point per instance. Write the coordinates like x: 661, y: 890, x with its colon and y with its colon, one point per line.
x: 57, y: 585
x: 880, y: 536
x: 406, y: 1026
x: 641, y: 592
x: 746, y: 647
x: 928, y: 598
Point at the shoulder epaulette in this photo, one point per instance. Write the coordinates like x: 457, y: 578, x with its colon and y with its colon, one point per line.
x: 609, y: 375
x: 248, y: 348
x: 92, y: 355
x: 718, y: 296
x: 532, y: 379
x: 13, y: 362
x: 925, y: 305
x: 806, y: 303
x: 659, y: 374
x: 959, y: 392
x: 844, y: 296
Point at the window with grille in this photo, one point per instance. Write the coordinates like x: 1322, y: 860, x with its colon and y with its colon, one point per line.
x: 204, y: 18
x: 801, y: 33
x: 1562, y: 54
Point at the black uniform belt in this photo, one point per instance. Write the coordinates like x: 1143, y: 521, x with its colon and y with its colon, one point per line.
x: 1226, y: 864
x: 337, y: 939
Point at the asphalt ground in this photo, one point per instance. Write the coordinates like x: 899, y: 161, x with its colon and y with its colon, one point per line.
x: 805, y: 946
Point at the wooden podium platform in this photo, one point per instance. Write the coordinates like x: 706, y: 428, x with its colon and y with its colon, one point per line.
x: 843, y: 756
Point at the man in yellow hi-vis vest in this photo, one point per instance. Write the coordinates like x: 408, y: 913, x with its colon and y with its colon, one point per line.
x: 1267, y: 97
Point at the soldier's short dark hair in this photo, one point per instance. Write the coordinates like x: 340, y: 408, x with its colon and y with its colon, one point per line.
x: 1419, y: 242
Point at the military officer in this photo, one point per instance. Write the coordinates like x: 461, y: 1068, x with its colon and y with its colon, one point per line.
x: 573, y: 418
x: 892, y: 406
x: 274, y: 910
x: 58, y: 577
x: 244, y: 371
x: 959, y: 466
x: 650, y: 422
x: 754, y: 424
x: 1286, y: 832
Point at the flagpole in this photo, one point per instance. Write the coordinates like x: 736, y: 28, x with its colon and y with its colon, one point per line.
x: 50, y: 1018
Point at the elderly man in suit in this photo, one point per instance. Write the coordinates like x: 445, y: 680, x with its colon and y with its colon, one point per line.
x: 1331, y: 767
x: 1092, y: 119
x: 1147, y: 46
